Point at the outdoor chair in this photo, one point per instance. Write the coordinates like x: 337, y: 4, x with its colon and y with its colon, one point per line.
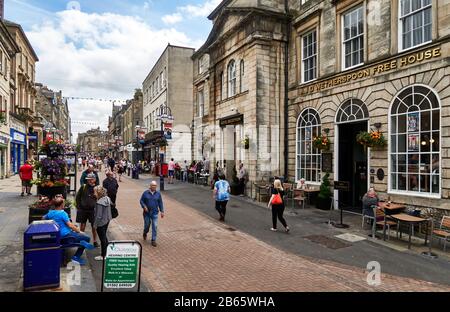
x: 288, y: 191
x: 299, y: 196
x: 443, y: 233
x: 366, y: 217
x: 380, y: 220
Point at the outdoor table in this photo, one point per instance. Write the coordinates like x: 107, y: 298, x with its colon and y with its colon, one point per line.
x: 308, y: 193
x: 410, y: 220
x: 389, y: 210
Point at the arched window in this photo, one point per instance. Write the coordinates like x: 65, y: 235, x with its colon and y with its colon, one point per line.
x: 308, y: 157
x: 352, y: 110
x: 242, y: 76
x: 415, y: 142
x: 221, y: 78
x: 231, y: 78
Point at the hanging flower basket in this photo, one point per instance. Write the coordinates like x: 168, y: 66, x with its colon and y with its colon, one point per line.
x: 374, y: 139
x: 53, y: 148
x: 321, y: 143
x: 246, y: 142
x: 163, y: 143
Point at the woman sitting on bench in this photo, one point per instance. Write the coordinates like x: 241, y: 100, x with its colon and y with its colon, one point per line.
x: 68, y: 229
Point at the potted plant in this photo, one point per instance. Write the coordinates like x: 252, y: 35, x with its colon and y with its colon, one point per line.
x: 2, y: 117
x: 163, y: 142
x: 324, y: 198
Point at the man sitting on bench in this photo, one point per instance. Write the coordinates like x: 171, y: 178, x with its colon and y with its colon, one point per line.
x: 68, y: 229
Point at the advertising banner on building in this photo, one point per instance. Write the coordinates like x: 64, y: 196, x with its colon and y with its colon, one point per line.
x: 141, y: 136
x: 168, y: 131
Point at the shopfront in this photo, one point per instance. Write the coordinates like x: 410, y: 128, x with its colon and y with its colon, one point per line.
x: 18, y: 150
x: 409, y: 107
x: 4, y: 140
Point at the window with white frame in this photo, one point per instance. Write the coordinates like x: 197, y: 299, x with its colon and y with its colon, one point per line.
x: 415, y: 21
x: 231, y: 78
x: 415, y: 142
x: 309, y: 56
x: 222, y: 78
x: 308, y: 157
x: 201, y: 103
x: 353, y: 37
x: 242, y: 85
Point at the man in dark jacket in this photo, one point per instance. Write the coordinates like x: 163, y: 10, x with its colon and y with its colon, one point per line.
x: 85, y: 173
x: 152, y: 204
x: 111, y: 185
x: 111, y: 163
x: 85, y: 203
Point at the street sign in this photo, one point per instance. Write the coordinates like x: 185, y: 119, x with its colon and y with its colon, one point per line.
x: 342, y: 186
x: 122, y: 266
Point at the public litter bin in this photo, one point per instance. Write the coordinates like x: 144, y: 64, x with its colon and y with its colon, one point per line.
x: 41, y: 256
x: 165, y: 170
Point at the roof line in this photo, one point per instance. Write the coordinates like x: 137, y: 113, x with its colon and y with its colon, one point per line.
x: 12, y: 24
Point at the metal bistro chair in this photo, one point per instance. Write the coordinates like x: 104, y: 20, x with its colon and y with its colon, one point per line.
x: 443, y: 233
x: 288, y: 191
x: 380, y: 220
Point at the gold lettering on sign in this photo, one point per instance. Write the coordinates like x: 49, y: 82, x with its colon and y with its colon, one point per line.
x: 377, y: 69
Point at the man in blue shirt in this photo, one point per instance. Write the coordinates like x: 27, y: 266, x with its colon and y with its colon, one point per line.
x: 68, y: 229
x: 152, y: 204
x: 222, y: 196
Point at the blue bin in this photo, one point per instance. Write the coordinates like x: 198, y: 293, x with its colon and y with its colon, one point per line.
x: 41, y: 256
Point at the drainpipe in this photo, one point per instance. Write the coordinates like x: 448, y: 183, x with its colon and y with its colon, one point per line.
x: 286, y: 91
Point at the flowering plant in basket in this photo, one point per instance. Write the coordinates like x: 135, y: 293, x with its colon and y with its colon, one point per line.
x: 321, y: 142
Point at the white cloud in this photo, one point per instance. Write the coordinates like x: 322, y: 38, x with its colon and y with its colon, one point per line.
x: 201, y: 10
x: 172, y: 18
x: 102, y: 56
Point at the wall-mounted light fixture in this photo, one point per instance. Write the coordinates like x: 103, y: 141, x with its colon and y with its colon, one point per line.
x: 378, y: 125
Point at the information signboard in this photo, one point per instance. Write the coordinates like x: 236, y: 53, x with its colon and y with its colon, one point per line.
x: 122, y: 266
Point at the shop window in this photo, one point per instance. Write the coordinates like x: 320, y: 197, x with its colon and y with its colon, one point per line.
x: 353, y: 37
x: 415, y: 142
x: 415, y: 22
x: 308, y: 158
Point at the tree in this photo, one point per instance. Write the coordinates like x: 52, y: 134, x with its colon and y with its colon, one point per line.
x: 78, y: 149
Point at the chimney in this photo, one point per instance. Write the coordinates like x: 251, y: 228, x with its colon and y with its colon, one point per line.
x: 2, y: 9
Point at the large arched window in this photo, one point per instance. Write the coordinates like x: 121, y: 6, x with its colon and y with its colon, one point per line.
x: 231, y: 78
x: 415, y: 142
x: 308, y: 157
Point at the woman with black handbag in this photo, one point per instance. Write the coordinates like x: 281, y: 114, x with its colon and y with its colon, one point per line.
x: 102, y: 217
x: 277, y: 203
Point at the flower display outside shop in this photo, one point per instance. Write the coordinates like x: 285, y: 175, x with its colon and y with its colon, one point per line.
x: 46, y: 182
x: 56, y: 167
x: 371, y: 139
x: 53, y: 147
x: 321, y: 142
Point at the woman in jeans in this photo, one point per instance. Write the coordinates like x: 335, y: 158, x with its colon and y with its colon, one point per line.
x: 277, y: 209
x: 102, y: 218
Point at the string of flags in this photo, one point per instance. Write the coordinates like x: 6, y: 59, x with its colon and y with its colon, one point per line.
x: 95, y: 99
x: 90, y: 123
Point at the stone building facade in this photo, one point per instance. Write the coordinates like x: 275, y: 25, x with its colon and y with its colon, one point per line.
x: 8, y: 50
x: 93, y: 141
x: 132, y: 123
x: 54, y: 108
x: 22, y: 99
x: 246, y: 49
x: 115, y: 131
x: 368, y: 65
x: 169, y: 83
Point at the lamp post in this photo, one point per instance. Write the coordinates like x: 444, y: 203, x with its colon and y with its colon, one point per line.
x: 164, y: 115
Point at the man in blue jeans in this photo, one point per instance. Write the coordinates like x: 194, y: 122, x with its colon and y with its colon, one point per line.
x: 152, y: 204
x: 68, y: 229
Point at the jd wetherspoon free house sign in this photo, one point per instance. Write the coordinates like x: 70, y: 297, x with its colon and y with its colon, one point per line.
x: 122, y: 266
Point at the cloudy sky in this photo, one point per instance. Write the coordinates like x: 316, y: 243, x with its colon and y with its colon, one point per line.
x: 104, y: 49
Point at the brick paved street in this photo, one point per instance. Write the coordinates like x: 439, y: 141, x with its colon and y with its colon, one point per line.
x: 197, y: 253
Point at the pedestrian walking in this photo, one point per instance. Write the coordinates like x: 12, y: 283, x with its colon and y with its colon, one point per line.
x: 276, y: 202
x: 26, y: 175
x: 102, y: 216
x: 88, y: 171
x: 111, y: 163
x: 120, y: 170
x: 171, y: 168
x: 68, y: 229
x: 184, y: 171
x: 206, y: 165
x: 111, y: 185
x: 222, y: 196
x: 85, y: 202
x: 152, y: 204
